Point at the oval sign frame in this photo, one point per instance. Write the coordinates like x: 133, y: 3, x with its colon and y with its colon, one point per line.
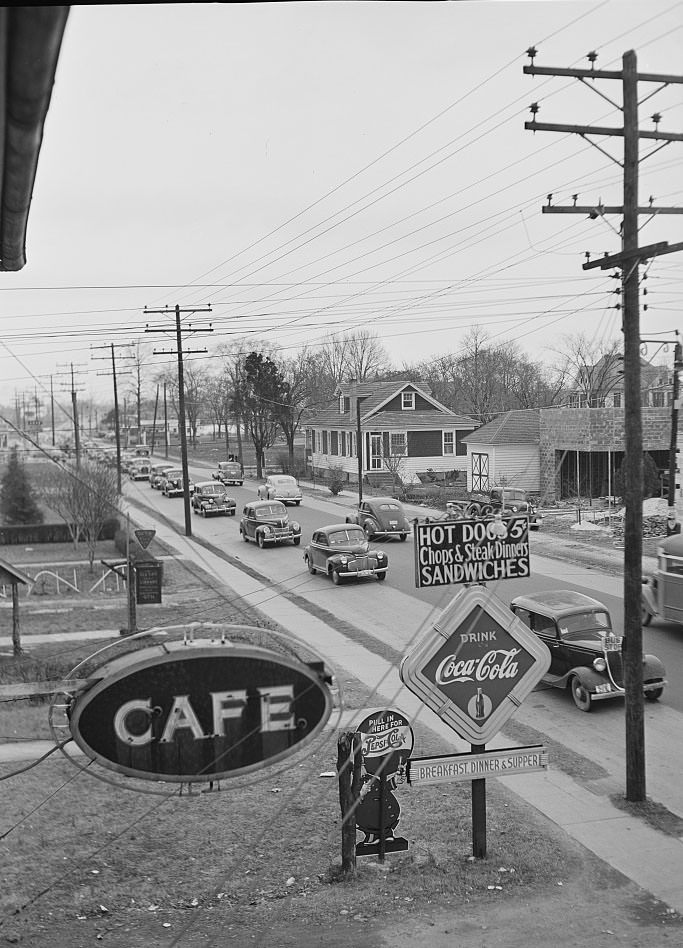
x: 145, y: 721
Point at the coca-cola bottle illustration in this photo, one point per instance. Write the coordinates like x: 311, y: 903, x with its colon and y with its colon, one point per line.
x: 479, y: 711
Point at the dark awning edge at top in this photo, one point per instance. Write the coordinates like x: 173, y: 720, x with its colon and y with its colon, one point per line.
x: 30, y: 41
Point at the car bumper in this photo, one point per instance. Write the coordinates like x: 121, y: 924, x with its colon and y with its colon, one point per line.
x: 363, y: 573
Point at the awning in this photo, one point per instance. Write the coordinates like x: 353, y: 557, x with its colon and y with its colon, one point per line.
x: 30, y: 40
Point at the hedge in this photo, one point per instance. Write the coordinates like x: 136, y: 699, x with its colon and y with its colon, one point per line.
x: 25, y: 534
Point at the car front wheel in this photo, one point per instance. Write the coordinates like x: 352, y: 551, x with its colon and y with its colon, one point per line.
x: 581, y: 695
x: 655, y: 694
x: 296, y: 540
x: 309, y: 564
x: 645, y: 614
x: 336, y: 577
x: 261, y: 542
x: 403, y: 537
x: 381, y: 577
x: 245, y: 537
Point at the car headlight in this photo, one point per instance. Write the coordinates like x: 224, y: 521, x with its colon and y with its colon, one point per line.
x: 600, y: 664
x: 343, y: 560
x: 267, y: 529
x: 295, y: 525
x: 380, y: 555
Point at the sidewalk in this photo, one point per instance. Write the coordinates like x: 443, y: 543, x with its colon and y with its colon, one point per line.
x: 651, y: 859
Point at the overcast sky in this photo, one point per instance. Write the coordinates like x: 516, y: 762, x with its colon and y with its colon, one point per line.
x: 315, y: 168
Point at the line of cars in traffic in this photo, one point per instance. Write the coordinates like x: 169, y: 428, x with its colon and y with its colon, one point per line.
x: 585, y: 649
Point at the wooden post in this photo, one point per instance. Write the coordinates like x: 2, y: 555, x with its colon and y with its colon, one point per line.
x: 16, y: 635
x: 349, y: 776
x: 478, y: 810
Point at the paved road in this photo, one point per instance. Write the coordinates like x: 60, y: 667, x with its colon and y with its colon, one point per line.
x: 397, y: 616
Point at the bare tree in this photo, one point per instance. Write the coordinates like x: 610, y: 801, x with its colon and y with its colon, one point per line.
x: 85, y: 498
x: 593, y: 365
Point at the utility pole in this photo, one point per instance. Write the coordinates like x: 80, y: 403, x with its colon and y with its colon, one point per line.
x: 74, y: 407
x: 181, y: 387
x: 165, y: 423
x: 52, y: 411
x: 628, y: 261
x: 154, y: 422
x: 671, y: 525
x: 112, y: 347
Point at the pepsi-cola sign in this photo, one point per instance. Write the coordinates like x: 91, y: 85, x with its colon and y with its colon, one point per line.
x: 199, y: 712
x: 476, y: 665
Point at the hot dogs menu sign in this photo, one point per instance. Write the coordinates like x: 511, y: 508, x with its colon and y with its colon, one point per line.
x: 476, y: 665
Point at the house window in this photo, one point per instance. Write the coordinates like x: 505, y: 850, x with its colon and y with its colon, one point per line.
x: 460, y: 446
x: 313, y: 441
x: 658, y: 399
x: 324, y: 442
x: 334, y: 442
x: 352, y: 450
x: 616, y: 400
x: 342, y: 449
x: 344, y: 404
x: 408, y: 401
x: 397, y: 445
x: 448, y: 442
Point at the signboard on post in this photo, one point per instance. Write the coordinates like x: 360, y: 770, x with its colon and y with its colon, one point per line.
x: 387, y: 740
x: 148, y: 577
x: 471, y: 551
x: 476, y: 666
x: 501, y: 763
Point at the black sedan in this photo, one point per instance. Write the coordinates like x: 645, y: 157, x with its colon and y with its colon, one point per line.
x: 211, y: 500
x: 342, y: 551
x: 585, y: 652
x: 381, y: 517
x: 267, y: 523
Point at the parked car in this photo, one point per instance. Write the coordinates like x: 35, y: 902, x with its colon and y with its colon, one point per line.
x: 139, y: 470
x: 342, y: 551
x: 505, y: 500
x: 267, y: 522
x: 381, y: 517
x: 662, y: 592
x: 172, y: 483
x: 211, y: 499
x: 156, y: 474
x: 229, y: 472
x: 280, y: 487
x: 585, y: 651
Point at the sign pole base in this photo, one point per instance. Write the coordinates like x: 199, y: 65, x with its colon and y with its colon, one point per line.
x: 478, y: 810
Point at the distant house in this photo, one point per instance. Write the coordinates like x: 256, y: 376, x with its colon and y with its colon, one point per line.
x: 602, y: 385
x: 401, y: 427
x: 561, y: 452
x: 506, y: 451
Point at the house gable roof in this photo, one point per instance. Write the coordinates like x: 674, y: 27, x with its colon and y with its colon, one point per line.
x: 378, y: 394
x: 512, y: 427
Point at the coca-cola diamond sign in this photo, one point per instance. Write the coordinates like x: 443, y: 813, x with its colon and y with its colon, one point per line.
x: 476, y: 665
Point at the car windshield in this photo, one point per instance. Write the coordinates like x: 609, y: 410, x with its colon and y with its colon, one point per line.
x: 272, y: 510
x: 173, y: 474
x: 344, y: 537
x: 212, y: 489
x: 585, y: 622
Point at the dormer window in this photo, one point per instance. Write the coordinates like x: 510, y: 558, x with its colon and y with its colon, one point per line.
x: 408, y: 401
